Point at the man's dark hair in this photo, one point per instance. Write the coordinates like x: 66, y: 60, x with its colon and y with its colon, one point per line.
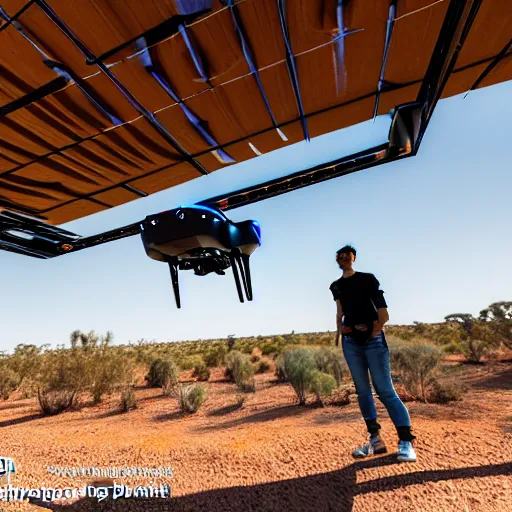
x: 347, y: 248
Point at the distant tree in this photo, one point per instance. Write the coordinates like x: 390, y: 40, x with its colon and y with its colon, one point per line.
x: 477, y: 338
x: 75, y: 338
x: 25, y: 361
x: 90, y: 340
x: 419, y: 327
x: 499, y: 316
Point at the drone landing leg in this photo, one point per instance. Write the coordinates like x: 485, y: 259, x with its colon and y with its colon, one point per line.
x: 242, y: 264
x: 247, y: 272
x: 233, y: 259
x: 173, y: 267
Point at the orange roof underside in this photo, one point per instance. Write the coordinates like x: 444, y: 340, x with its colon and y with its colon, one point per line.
x: 61, y: 158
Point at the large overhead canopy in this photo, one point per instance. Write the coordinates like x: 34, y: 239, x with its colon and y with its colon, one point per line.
x: 105, y: 102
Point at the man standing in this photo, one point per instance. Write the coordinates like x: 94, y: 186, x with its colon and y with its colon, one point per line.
x: 361, y: 315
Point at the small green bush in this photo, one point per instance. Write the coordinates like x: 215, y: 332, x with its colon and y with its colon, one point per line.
x: 329, y: 361
x: 453, y: 348
x: 163, y: 373
x: 299, y: 367
x: 201, y: 371
x: 240, y: 370
x: 416, y: 365
x: 270, y: 348
x: 128, y: 399
x: 54, y: 402
x: 215, y: 356
x: 280, y: 370
x: 191, y: 397
x: 63, y: 376
x: 448, y: 391
x: 322, y: 384
x: 8, y: 379
x: 110, y: 371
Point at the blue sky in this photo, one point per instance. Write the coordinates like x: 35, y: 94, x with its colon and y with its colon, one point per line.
x: 434, y: 229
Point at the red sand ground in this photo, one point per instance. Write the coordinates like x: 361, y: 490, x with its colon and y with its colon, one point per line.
x: 271, y: 454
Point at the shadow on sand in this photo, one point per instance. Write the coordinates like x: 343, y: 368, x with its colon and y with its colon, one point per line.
x: 285, y: 411
x: 333, y: 491
x: 19, y: 421
x: 502, y: 380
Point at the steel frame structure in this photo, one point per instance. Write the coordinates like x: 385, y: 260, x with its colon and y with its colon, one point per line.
x: 30, y: 236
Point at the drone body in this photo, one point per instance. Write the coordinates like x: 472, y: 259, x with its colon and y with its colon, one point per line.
x: 202, y: 239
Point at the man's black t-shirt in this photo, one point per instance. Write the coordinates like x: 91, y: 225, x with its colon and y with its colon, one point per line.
x: 360, y: 297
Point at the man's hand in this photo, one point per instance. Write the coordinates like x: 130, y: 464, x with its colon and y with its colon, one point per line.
x: 377, y: 328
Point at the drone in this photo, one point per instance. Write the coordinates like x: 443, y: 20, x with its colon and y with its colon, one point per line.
x: 204, y: 240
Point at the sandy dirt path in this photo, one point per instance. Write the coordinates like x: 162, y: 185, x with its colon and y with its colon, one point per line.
x: 272, y: 455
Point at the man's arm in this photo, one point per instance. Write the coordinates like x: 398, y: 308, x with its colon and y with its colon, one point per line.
x: 339, y: 320
x: 379, y: 302
x: 379, y: 324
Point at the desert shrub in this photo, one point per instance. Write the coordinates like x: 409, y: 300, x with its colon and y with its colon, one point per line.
x: 128, y: 399
x: 270, y: 348
x: 298, y: 366
x: 240, y: 370
x: 262, y: 367
x: 110, y: 371
x: 416, y: 365
x: 442, y: 392
x: 28, y: 389
x: 245, y: 348
x: 280, y: 370
x: 476, y: 348
x: 163, y: 373
x: 8, y: 379
x: 191, y: 397
x: 55, y: 401
x: 25, y: 362
x: 322, y: 384
x: 247, y: 386
x: 478, y: 338
x: 446, y: 339
x: 63, y: 376
x: 201, y: 371
x: 187, y: 363
x: 215, y: 356
x: 453, y: 348
x: 406, y: 335
x: 329, y: 361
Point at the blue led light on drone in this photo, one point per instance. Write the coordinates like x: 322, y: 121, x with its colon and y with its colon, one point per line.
x: 207, y: 208
x: 257, y: 228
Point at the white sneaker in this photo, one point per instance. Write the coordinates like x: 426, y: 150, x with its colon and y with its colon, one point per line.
x: 406, y: 452
x: 374, y: 447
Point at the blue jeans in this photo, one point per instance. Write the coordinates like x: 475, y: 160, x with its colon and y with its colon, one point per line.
x: 373, y: 357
